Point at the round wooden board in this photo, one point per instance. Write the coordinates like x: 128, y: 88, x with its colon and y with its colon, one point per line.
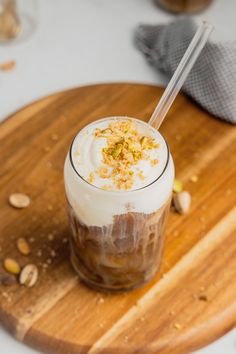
x: 191, y: 301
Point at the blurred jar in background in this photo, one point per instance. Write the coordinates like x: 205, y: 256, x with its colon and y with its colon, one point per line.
x: 9, y: 20
x: 18, y: 20
x: 183, y: 5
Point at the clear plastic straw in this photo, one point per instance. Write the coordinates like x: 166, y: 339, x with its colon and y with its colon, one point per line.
x: 192, y: 53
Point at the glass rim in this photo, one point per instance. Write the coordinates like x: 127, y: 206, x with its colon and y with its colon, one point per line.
x: 118, y: 191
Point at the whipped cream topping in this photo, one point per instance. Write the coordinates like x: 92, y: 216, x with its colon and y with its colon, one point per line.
x: 87, y: 154
x: 97, y: 207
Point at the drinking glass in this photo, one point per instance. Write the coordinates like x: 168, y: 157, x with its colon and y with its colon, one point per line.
x: 117, y: 237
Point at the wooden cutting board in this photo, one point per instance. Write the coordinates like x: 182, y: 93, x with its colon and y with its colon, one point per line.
x: 191, y: 301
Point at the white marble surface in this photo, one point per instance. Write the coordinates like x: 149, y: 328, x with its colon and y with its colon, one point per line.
x: 88, y: 41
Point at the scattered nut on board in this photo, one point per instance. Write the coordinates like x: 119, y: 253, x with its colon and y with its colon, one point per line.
x: 100, y: 300
x: 7, y: 65
x: 19, y: 200
x: 54, y: 137
x: 177, y: 326
x: 29, y: 275
x: 182, y: 202
x: 50, y: 237
x: 23, y: 246
x: 11, y: 266
x: 53, y: 253
x: 202, y: 297
x: 178, y: 186
x: 194, y: 178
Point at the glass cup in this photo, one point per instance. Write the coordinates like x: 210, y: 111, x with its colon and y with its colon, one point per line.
x: 18, y: 20
x: 117, y: 237
x: 183, y: 5
x: 9, y: 20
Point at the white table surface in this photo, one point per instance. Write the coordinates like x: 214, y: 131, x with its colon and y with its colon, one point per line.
x: 88, y: 41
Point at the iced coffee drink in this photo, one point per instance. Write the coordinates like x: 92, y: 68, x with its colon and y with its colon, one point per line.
x: 118, y: 178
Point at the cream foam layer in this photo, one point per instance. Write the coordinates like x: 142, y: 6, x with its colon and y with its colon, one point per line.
x: 87, y: 157
x: 97, y: 207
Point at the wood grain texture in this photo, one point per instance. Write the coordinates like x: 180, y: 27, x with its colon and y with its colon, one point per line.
x: 60, y: 315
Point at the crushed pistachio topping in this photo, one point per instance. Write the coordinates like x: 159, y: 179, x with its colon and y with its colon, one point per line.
x: 141, y: 176
x: 154, y: 162
x: 91, y: 177
x: 103, y: 172
x: 106, y: 187
x: 125, y: 148
x: 77, y: 153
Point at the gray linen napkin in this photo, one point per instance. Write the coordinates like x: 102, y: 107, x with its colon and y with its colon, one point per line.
x: 212, y: 81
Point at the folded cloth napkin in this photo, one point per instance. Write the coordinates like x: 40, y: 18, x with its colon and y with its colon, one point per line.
x: 211, y: 82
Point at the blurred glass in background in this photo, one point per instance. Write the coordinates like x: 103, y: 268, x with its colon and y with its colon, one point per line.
x: 183, y: 5
x: 18, y: 19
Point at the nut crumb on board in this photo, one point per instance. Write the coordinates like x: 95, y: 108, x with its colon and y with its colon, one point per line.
x: 194, y: 178
x: 202, y: 297
x: 53, y: 253
x: 126, y: 339
x: 7, y: 65
x: 177, y: 326
x: 50, y: 237
x: 6, y: 296
x: 54, y: 137
x: 100, y: 301
x: 178, y: 137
